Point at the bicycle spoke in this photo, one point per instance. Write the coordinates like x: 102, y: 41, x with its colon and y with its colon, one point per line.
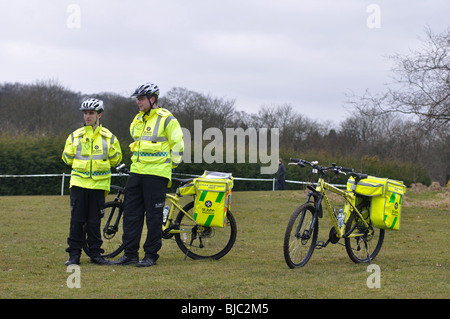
x: 298, y: 242
x: 200, y: 242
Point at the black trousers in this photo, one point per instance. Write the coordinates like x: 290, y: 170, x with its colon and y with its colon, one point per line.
x: 144, y: 199
x: 86, y: 207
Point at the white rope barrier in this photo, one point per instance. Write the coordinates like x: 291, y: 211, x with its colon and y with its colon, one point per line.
x: 273, y: 180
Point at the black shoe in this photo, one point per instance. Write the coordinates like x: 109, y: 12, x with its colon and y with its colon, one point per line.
x: 125, y: 260
x: 73, y: 260
x: 100, y: 261
x: 146, y: 262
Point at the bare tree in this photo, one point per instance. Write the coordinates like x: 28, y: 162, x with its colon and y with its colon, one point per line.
x: 421, y: 84
x: 188, y: 106
x: 421, y: 92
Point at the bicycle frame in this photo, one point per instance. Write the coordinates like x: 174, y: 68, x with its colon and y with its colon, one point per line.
x: 174, y: 199
x: 319, y: 195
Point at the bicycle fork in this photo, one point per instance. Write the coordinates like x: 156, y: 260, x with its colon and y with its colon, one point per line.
x: 306, y: 235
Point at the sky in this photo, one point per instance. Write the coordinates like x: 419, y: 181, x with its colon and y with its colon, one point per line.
x: 308, y: 54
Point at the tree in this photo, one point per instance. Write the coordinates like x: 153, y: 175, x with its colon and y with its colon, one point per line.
x: 421, y: 92
x: 43, y: 107
x: 421, y: 85
x: 188, y: 106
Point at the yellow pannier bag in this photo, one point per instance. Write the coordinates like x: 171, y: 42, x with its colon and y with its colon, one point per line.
x: 370, y: 186
x: 213, y: 198
x: 386, y: 210
x: 386, y: 199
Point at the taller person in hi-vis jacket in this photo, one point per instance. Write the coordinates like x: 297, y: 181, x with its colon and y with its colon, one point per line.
x: 157, y: 148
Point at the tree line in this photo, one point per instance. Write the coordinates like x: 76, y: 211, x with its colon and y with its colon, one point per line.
x: 388, y: 135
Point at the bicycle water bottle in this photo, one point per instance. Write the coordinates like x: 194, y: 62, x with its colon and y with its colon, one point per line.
x: 165, y: 214
x: 340, y: 218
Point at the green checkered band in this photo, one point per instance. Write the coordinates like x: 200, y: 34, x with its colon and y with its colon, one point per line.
x: 158, y: 154
x: 101, y: 173
x: 81, y: 173
x: 93, y: 173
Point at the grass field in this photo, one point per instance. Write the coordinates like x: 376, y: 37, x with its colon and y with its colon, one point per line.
x: 414, y: 261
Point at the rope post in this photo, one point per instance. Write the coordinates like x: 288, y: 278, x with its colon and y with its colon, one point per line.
x: 62, y: 184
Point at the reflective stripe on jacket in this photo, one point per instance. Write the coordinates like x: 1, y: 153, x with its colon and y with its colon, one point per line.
x: 158, y: 143
x: 91, y: 155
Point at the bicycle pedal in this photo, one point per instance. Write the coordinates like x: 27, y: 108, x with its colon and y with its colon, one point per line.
x: 320, y: 244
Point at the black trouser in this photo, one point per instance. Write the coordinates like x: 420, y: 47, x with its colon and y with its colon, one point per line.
x: 86, y: 207
x: 145, y: 196
x: 281, y: 184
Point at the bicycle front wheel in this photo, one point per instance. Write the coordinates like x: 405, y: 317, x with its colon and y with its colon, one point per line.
x: 204, y: 242
x: 111, y: 231
x: 362, y: 244
x: 299, y: 243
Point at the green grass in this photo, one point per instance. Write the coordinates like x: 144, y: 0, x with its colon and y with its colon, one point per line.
x: 414, y: 261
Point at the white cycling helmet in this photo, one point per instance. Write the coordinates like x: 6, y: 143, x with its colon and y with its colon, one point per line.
x: 146, y: 89
x: 92, y: 105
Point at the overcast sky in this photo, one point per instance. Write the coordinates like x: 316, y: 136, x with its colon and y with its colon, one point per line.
x: 308, y: 54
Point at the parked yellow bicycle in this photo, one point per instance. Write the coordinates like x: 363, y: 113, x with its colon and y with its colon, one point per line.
x: 195, y: 241
x: 352, y: 222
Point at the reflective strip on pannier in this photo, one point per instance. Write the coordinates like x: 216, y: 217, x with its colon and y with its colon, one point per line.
x: 370, y: 186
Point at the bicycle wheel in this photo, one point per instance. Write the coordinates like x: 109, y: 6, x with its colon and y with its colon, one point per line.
x: 359, y: 248
x: 111, y: 231
x: 298, y: 245
x: 205, y: 242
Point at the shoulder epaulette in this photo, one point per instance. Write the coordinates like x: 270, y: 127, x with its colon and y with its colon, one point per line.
x: 105, y: 132
x: 163, y: 112
x: 79, y: 132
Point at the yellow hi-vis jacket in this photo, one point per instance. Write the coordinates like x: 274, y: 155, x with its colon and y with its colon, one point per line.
x: 158, y: 143
x: 91, y: 155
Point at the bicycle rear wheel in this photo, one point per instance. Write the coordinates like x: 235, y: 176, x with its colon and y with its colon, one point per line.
x: 364, y: 248
x: 205, y: 242
x: 111, y: 231
x: 298, y: 244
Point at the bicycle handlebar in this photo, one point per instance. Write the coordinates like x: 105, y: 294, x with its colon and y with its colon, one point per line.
x: 322, y: 169
x: 122, y: 169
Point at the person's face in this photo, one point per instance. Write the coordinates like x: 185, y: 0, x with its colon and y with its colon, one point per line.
x: 91, y: 117
x: 144, y: 103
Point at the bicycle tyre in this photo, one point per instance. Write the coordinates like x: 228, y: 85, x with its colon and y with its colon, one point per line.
x: 296, y: 251
x: 112, y: 237
x: 355, y: 246
x: 210, y: 242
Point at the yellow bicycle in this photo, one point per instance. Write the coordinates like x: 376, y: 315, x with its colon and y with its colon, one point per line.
x: 194, y: 240
x: 352, y: 222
